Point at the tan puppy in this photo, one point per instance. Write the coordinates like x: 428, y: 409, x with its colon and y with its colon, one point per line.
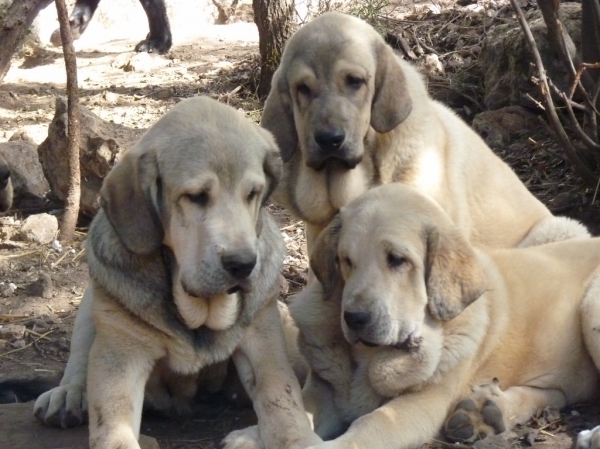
x: 184, y: 265
x: 412, y: 318
x: 348, y: 114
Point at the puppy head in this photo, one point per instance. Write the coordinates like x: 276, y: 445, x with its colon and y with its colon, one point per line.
x: 399, y: 258
x: 196, y: 182
x: 337, y: 79
x: 6, y: 187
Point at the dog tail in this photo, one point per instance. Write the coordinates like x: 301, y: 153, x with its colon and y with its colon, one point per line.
x: 25, y: 390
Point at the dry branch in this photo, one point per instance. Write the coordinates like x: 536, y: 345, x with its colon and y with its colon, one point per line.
x: 570, y: 151
x: 69, y: 217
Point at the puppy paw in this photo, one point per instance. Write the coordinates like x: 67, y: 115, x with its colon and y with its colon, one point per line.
x: 588, y: 439
x: 248, y: 438
x: 476, y: 417
x: 64, y: 406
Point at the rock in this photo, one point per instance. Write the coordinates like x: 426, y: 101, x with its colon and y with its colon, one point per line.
x: 506, y: 61
x: 102, y: 145
x: 144, y: 62
x: 499, y: 127
x: 40, y: 228
x: 430, y: 65
x: 20, y: 430
x: 12, y: 332
x: 21, y: 134
x: 42, y: 288
x: 29, y: 183
x: 18, y: 344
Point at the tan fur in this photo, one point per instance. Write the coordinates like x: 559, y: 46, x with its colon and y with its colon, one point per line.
x: 523, y: 337
x: 176, y: 210
x: 337, y: 73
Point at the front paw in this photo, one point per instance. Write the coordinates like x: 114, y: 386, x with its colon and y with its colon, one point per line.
x: 64, y: 406
x: 588, y: 439
x: 476, y: 417
x: 160, y: 45
x: 104, y: 438
x: 248, y: 438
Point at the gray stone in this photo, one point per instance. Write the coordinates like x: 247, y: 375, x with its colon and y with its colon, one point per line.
x: 39, y: 228
x: 42, y: 288
x: 102, y: 145
x: 505, y: 58
x: 29, y: 183
x: 12, y: 332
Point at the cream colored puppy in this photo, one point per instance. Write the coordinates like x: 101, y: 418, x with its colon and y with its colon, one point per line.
x: 348, y: 115
x: 412, y: 330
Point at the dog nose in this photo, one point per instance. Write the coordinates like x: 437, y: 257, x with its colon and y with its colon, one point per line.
x: 239, y: 264
x: 357, y: 320
x: 330, y: 139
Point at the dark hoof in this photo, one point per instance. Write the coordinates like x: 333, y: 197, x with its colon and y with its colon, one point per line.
x: 160, y: 46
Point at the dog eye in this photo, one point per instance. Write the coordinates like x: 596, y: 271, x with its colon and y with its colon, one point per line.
x: 252, y: 195
x: 354, y: 82
x: 395, y: 261
x: 200, y: 198
x: 303, y: 89
x: 348, y: 262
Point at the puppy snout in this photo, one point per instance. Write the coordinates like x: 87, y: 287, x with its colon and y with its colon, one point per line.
x: 330, y: 139
x: 357, y: 321
x: 239, y: 264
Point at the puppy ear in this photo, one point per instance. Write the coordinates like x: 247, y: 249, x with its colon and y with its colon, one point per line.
x: 278, y: 117
x: 391, y: 102
x: 127, y: 202
x: 453, y: 276
x: 272, y: 165
x: 323, y: 259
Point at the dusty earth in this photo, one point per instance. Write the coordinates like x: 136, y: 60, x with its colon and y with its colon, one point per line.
x: 221, y: 62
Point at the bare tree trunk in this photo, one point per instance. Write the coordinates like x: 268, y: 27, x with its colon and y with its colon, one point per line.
x: 275, y: 22
x: 18, y: 19
x: 69, y: 217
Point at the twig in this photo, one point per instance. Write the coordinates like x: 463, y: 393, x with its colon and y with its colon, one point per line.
x: 60, y: 259
x: 27, y: 345
x: 78, y: 254
x: 9, y: 318
x: 568, y: 148
x: 596, y: 191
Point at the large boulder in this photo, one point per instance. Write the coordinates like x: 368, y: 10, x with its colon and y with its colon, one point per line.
x: 101, y: 146
x: 505, y: 58
x: 29, y: 184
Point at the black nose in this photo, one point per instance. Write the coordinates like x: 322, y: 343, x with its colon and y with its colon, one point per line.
x: 357, y: 320
x: 240, y: 264
x: 330, y: 139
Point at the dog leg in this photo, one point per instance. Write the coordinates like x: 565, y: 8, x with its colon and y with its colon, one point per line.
x: 121, y: 360
x: 66, y: 405
x: 554, y: 229
x: 490, y: 411
x: 159, y: 38
x: 265, y: 371
x: 407, y: 421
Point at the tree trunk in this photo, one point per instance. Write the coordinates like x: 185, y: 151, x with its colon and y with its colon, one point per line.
x: 69, y: 217
x: 275, y: 21
x: 18, y: 19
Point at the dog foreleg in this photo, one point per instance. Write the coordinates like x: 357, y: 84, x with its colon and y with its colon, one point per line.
x: 66, y: 405
x: 408, y: 421
x: 159, y: 38
x: 270, y: 381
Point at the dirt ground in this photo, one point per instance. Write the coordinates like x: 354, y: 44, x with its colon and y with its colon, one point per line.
x: 222, y: 63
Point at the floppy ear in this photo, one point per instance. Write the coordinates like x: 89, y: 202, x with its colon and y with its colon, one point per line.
x: 392, y: 102
x: 278, y: 117
x: 323, y: 259
x: 453, y: 276
x: 126, y: 199
x: 272, y: 165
